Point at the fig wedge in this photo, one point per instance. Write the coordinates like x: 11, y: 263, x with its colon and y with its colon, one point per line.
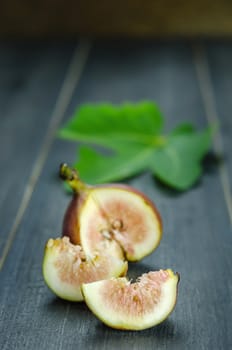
x: 113, y: 217
x: 66, y: 267
x: 121, y: 304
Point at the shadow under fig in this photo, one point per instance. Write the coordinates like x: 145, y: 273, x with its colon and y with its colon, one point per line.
x: 159, y: 335
x: 59, y: 306
x: 136, y: 269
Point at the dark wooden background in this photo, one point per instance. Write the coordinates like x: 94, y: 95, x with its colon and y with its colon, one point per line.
x: 40, y: 85
x: 133, y: 18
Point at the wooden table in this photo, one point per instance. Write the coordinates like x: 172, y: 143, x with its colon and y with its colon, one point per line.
x: 40, y: 86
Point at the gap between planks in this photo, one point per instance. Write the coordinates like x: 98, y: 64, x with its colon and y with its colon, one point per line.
x: 207, y: 93
x: 71, y: 80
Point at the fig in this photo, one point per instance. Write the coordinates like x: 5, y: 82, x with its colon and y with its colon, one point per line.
x: 113, y: 217
x: 66, y: 267
x: 143, y: 304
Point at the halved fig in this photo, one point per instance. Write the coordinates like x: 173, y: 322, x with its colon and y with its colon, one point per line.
x: 133, y: 306
x: 66, y: 267
x: 112, y: 217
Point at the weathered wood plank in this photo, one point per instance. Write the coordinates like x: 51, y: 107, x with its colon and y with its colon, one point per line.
x: 219, y: 57
x: 214, y: 71
x: 197, y: 232
x: 31, y: 76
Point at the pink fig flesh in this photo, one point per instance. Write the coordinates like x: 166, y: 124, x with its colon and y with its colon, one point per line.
x: 66, y: 267
x: 115, y: 217
x: 134, y: 306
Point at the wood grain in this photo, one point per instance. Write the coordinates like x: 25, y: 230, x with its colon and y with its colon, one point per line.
x: 197, y: 230
x: 212, y: 98
x: 31, y: 76
x: 219, y: 55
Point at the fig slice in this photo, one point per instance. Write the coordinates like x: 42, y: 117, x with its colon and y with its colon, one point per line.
x: 66, y: 267
x: 133, y: 306
x: 113, y: 217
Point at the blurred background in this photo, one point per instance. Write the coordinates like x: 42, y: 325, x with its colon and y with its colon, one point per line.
x: 133, y: 18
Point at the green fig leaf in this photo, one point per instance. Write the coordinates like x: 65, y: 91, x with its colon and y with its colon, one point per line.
x: 178, y: 164
x: 109, y: 126
x: 133, y: 134
x: 95, y: 167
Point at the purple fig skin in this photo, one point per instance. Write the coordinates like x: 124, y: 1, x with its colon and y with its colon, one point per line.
x: 70, y: 225
x: 83, y: 192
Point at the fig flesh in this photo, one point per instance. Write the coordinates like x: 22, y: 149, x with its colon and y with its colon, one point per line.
x: 112, y: 217
x: 66, y: 267
x: 121, y: 304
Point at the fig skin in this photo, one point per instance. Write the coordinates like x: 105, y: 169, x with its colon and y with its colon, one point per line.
x: 70, y: 225
x: 66, y: 267
x: 137, y: 306
x: 116, y: 245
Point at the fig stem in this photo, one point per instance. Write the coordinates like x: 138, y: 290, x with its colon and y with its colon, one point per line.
x: 71, y: 177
